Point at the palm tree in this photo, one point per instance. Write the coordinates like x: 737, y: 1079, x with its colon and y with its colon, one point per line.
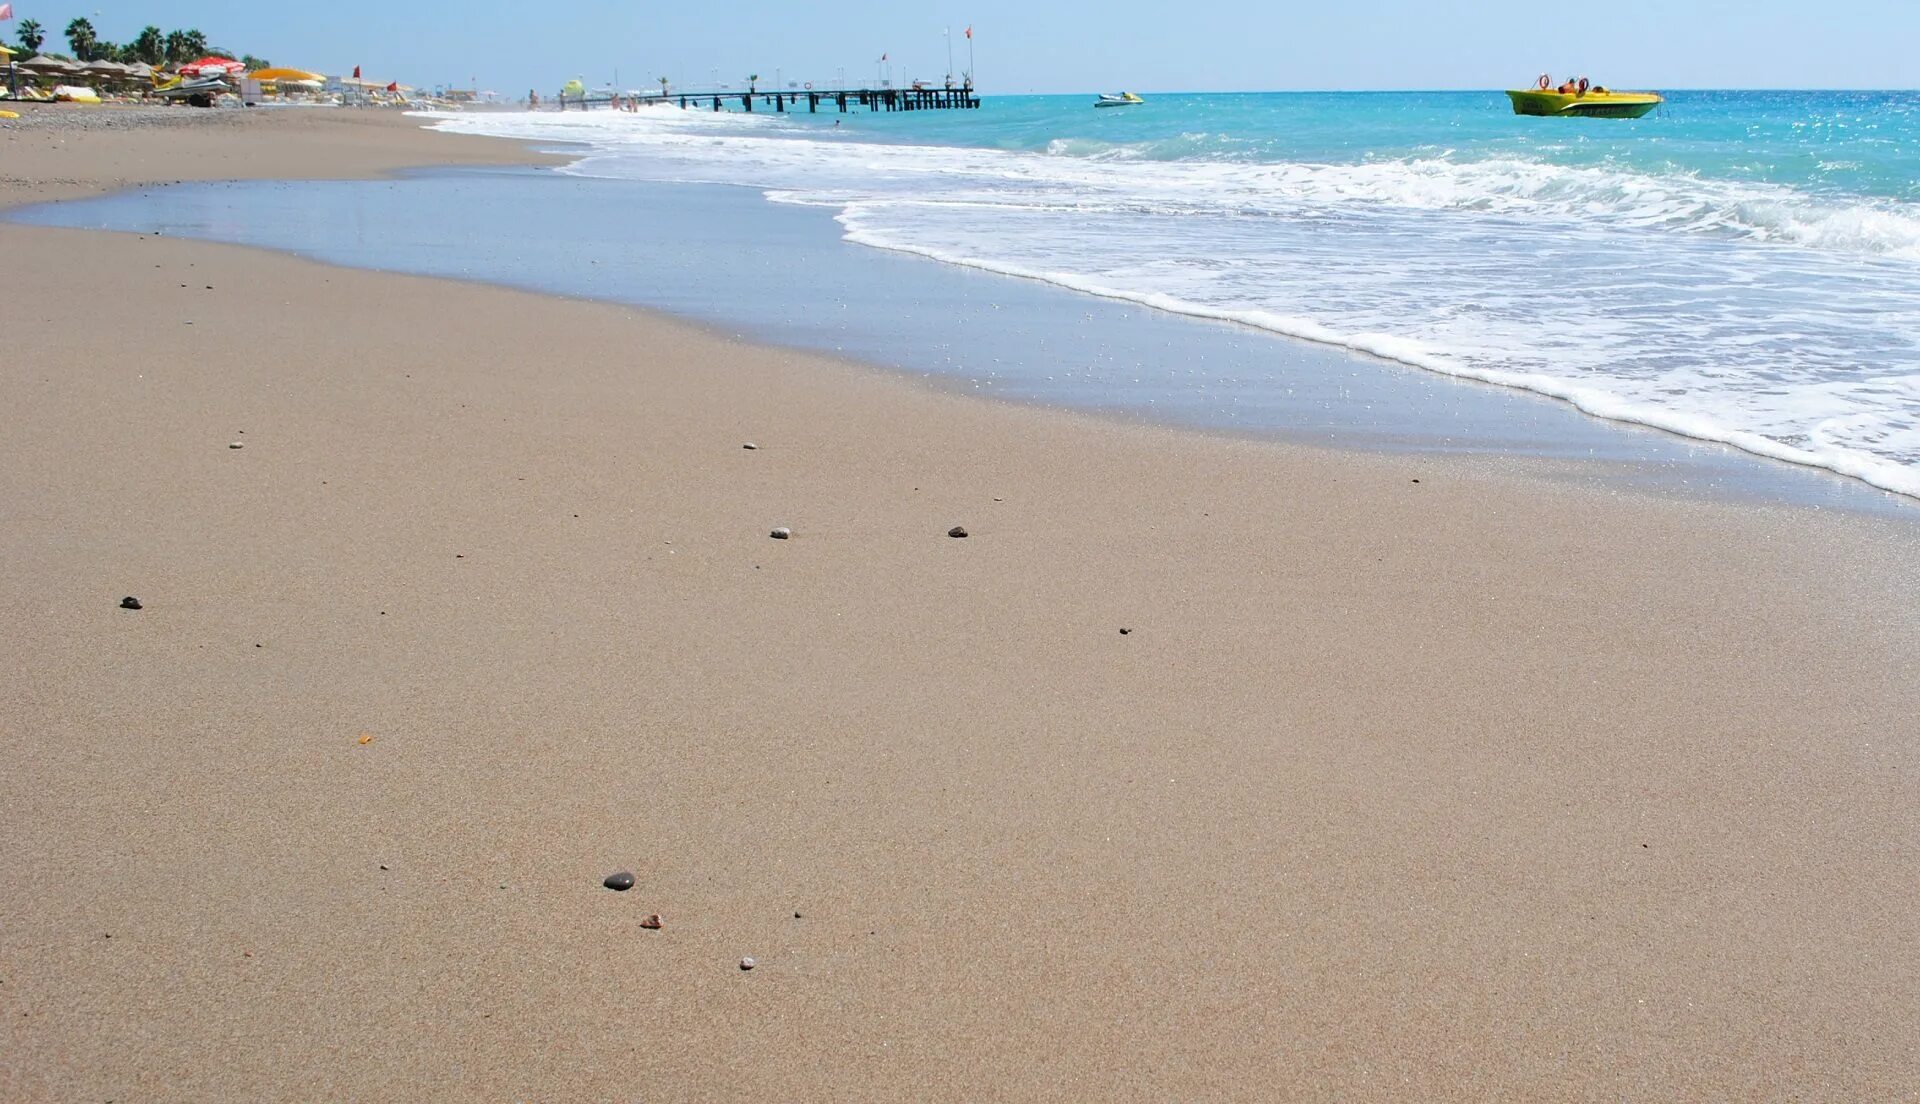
x: 663, y: 86
x: 185, y: 46
x: 81, y: 37
x: 252, y: 63
x: 149, y: 46
x: 32, y: 34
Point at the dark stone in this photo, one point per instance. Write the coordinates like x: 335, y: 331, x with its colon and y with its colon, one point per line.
x: 651, y: 923
x: 621, y: 882
x: 1124, y: 632
x: 129, y: 602
x: 956, y: 532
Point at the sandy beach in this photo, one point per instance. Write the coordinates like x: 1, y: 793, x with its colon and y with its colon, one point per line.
x: 1200, y: 769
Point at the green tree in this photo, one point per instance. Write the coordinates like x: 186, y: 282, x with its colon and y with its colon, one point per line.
x: 185, y: 46
x: 32, y: 34
x: 81, y: 37
x: 150, y: 46
x: 252, y: 63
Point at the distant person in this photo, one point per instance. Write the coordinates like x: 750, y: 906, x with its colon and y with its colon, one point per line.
x: 533, y: 100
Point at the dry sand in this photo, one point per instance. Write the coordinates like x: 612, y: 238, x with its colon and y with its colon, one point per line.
x: 1477, y: 787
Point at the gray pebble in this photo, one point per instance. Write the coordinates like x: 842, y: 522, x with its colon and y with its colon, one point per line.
x: 621, y: 882
x: 748, y: 964
x: 236, y: 444
x: 782, y: 533
x: 749, y: 446
x: 129, y: 602
x: 956, y: 532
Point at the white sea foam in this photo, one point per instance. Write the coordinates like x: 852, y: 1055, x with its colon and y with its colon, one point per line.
x: 1783, y: 323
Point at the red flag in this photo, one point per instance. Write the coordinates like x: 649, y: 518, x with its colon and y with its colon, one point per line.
x: 394, y: 87
x: 356, y: 72
x: 969, y: 31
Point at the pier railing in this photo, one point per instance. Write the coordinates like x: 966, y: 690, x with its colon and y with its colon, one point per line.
x: 786, y: 99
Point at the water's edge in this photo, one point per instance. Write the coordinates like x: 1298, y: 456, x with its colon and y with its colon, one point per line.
x: 727, y: 249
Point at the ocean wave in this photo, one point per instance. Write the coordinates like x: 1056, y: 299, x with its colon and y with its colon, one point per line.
x: 1782, y: 322
x: 1597, y: 400
x: 752, y: 148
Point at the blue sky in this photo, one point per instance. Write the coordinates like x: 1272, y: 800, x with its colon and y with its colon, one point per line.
x: 1033, y: 45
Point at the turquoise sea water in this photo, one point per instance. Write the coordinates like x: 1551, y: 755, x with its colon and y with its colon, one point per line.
x: 1838, y: 143
x: 1740, y: 267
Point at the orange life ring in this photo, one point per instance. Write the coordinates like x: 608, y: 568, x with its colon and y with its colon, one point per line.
x: 1545, y: 82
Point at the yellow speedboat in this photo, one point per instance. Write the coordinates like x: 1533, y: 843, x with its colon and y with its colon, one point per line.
x: 1595, y: 103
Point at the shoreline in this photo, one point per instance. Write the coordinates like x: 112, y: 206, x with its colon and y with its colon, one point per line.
x: 1406, y: 780
x: 907, y: 320
x: 1626, y: 380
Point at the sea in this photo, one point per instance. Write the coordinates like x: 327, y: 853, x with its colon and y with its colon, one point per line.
x: 1739, y: 267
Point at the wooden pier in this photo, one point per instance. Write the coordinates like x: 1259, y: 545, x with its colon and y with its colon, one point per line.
x: 812, y: 100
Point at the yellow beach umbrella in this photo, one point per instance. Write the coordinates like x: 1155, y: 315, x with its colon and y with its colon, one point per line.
x: 284, y: 75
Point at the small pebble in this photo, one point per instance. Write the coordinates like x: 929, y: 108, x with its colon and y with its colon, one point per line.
x: 956, y: 532
x: 749, y: 446
x: 781, y: 533
x: 129, y: 602
x: 748, y: 964
x: 651, y: 923
x: 620, y: 882
x: 236, y: 444
x: 1124, y: 632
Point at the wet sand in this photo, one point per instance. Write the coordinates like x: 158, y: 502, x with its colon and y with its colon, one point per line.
x: 1411, y: 780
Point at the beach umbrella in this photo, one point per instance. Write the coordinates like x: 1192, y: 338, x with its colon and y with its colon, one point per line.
x: 41, y: 63
x: 212, y: 67
x: 281, y: 73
